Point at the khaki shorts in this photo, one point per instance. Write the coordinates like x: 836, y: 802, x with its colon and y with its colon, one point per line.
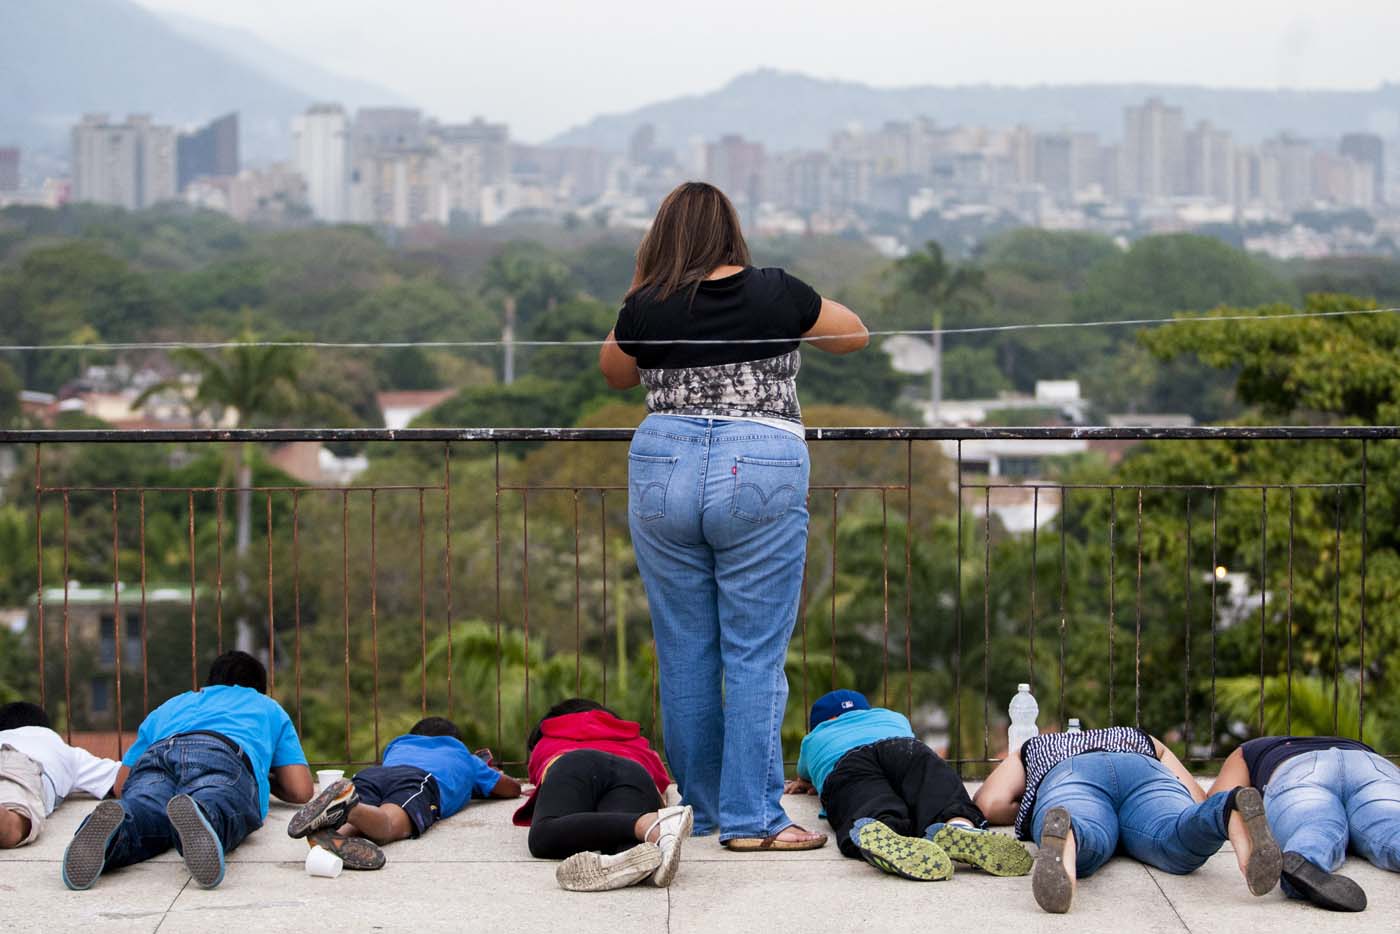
x: 21, y: 788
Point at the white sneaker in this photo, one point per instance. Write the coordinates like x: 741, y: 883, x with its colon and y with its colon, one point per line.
x: 674, y: 824
x: 596, y: 872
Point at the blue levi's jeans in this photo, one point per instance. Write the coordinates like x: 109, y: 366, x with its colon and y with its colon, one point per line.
x: 1128, y: 798
x: 718, y: 513
x: 1319, y: 801
x: 213, y: 773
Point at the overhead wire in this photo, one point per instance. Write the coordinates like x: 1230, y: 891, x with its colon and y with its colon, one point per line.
x: 498, y: 342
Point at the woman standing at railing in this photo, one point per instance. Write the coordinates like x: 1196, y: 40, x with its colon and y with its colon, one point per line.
x: 717, y: 495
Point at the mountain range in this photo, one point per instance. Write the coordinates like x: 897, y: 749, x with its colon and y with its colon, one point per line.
x: 784, y: 110
x: 60, y: 59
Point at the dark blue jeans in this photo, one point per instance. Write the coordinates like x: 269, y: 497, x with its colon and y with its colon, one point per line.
x: 1124, y: 799
x: 207, y: 769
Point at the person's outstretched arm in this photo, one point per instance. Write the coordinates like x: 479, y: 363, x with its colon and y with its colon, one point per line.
x: 840, y: 329
x: 1170, y: 760
x: 506, y: 787
x: 292, y: 783
x: 1000, y: 795
x: 1234, y: 773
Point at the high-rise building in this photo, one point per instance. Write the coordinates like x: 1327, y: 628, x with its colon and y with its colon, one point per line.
x: 1286, y: 172
x: 736, y: 165
x: 209, y: 151
x: 399, y: 189
x: 491, y: 139
x: 1210, y: 164
x: 386, y: 129
x: 130, y: 165
x: 1154, y: 150
x: 641, y: 144
x: 1368, y: 149
x: 9, y: 168
x: 321, y: 142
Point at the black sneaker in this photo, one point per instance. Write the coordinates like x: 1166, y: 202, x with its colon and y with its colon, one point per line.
x: 1321, y: 888
x: 1265, y: 859
x: 86, y: 855
x: 1050, y: 881
x: 354, y: 852
x: 326, y: 811
x: 199, y: 845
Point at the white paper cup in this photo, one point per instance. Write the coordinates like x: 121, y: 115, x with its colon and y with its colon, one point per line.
x: 326, y: 777
x: 322, y: 862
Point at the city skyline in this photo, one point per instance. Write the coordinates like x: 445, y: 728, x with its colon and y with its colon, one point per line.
x: 460, y: 60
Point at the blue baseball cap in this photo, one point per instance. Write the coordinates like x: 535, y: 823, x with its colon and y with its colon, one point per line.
x: 835, y: 704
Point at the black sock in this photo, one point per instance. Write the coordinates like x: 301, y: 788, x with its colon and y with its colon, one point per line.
x: 1230, y: 802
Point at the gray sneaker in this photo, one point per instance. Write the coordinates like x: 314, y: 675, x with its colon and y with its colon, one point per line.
x: 597, y: 872
x: 674, y: 824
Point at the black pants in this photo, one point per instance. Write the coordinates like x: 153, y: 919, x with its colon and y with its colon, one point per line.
x: 590, y: 800
x: 900, y: 782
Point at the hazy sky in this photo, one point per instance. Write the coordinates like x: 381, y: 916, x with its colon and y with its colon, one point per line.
x: 546, y: 65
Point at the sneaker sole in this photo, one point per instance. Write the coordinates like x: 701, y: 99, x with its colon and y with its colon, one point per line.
x: 585, y: 872
x: 1050, y: 881
x: 916, y: 858
x: 320, y: 813
x: 1321, y: 888
x: 358, y: 853
x: 671, y: 861
x: 199, y: 845
x: 86, y: 855
x: 994, y: 853
x: 1265, y: 858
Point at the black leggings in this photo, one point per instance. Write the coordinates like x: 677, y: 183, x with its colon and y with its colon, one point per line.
x: 590, y: 800
x: 901, y: 782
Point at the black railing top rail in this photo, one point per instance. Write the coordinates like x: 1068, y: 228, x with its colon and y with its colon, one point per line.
x: 910, y: 433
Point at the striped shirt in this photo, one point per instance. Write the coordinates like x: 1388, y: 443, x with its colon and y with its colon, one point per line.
x: 1040, y: 754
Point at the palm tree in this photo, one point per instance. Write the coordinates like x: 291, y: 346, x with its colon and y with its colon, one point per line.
x: 928, y: 275
x: 252, y: 382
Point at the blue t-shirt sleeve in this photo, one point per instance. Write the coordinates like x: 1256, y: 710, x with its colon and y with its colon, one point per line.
x: 804, y: 769
x: 287, y: 748
x: 484, y: 778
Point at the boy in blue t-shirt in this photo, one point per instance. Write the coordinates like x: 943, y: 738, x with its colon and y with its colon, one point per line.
x: 200, y: 773
x: 892, y: 800
x: 427, y: 775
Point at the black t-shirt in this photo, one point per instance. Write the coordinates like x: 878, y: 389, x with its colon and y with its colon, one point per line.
x: 1264, y: 755
x: 754, y: 303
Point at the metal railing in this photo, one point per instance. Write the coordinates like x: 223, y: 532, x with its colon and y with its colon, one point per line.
x: 934, y: 675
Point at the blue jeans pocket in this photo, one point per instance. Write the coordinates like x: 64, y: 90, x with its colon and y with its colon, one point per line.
x: 648, y: 478
x: 765, y: 488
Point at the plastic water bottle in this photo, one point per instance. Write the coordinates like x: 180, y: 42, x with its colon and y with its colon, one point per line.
x: 1073, y: 726
x: 1023, y: 711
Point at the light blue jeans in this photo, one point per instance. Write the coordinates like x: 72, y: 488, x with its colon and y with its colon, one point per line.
x: 1319, y: 801
x: 718, y: 513
x: 1128, y: 798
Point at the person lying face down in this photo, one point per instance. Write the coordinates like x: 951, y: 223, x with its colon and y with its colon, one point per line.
x: 1321, y: 793
x: 427, y: 776
x: 599, y: 801
x: 202, y: 767
x: 38, y: 770
x: 1080, y: 796
x: 892, y: 800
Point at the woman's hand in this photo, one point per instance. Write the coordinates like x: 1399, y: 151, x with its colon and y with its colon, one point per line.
x: 798, y: 786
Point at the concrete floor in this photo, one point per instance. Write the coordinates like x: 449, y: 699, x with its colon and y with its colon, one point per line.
x: 473, y: 873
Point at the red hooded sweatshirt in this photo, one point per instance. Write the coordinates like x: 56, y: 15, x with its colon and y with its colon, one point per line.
x: 591, y: 729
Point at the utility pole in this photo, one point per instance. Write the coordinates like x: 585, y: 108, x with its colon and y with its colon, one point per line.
x: 508, y: 339
x: 936, y: 372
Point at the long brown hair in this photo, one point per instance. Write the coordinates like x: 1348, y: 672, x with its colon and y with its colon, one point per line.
x: 696, y: 230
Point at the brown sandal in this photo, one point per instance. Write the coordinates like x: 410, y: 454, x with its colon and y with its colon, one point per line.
x: 759, y: 844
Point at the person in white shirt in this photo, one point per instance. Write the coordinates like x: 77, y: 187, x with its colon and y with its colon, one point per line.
x: 38, y: 770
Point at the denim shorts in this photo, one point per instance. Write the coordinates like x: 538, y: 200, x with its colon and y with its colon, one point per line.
x: 405, y: 786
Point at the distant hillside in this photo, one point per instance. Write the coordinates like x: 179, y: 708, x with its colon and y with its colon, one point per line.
x: 281, y: 65
x: 785, y: 110
x: 62, y: 58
